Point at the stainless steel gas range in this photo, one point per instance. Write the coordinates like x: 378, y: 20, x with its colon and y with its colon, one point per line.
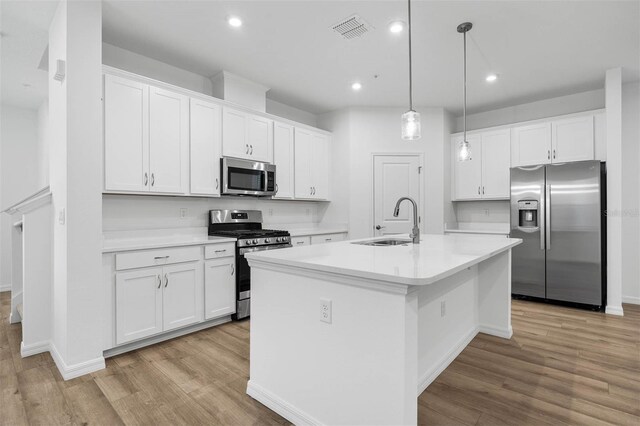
x: 246, y: 227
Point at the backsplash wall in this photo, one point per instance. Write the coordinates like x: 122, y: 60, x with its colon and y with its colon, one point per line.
x: 482, y: 211
x: 138, y: 212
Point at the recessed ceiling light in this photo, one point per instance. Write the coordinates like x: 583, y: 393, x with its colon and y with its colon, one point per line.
x: 356, y: 86
x: 234, y: 21
x: 396, y: 27
x: 492, y: 77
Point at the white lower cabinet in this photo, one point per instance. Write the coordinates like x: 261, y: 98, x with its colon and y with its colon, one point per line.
x: 182, y: 295
x: 219, y: 287
x: 138, y: 304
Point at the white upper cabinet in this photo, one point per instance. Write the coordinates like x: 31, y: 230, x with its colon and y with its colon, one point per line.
x: 168, y: 141
x: 572, y: 139
x: 531, y: 144
x: 311, y: 165
x: 496, y: 162
x: 206, y: 146
x: 283, y: 159
x: 467, y: 179
x: 126, y: 135
x: 246, y: 135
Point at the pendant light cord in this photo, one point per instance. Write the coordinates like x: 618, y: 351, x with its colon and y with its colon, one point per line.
x: 464, y: 88
x: 410, y: 76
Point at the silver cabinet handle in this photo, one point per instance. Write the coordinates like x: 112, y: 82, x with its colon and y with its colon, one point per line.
x: 478, y: 190
x: 327, y: 239
x: 548, y: 155
x: 276, y: 188
x: 216, y: 183
x: 378, y: 227
x: 166, y: 280
x: 146, y: 178
x: 247, y: 146
x: 547, y: 216
x: 153, y: 179
x: 300, y: 242
x: 159, y: 281
x: 554, y: 154
x: 233, y: 271
x: 483, y: 190
x: 161, y: 257
x: 314, y: 190
x: 221, y: 251
x: 251, y: 146
x: 311, y: 190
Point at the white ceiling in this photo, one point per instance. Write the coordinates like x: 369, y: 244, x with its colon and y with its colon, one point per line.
x: 25, y: 36
x: 540, y: 49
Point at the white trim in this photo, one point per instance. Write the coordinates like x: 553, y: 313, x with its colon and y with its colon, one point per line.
x: 614, y: 310
x: 32, y: 202
x: 5, y: 287
x: 165, y: 336
x: 69, y: 372
x: 430, y: 375
x: 631, y: 299
x: 34, y: 348
x: 280, y: 406
x: 498, y: 332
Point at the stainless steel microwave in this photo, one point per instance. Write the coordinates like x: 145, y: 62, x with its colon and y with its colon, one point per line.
x: 246, y: 177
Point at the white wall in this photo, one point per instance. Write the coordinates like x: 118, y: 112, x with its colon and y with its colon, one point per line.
x: 131, y: 212
x: 366, y: 131
x: 19, y: 171
x: 585, y: 101
x: 631, y: 193
x: 42, y: 149
x: 295, y: 114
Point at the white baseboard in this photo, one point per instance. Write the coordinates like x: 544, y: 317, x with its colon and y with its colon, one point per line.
x: 281, y: 407
x: 33, y: 349
x: 428, y: 377
x: 631, y: 299
x: 69, y: 372
x: 498, y: 332
x: 5, y: 287
x: 614, y: 310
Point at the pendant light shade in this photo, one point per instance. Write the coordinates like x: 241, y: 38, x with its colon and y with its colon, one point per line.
x: 464, y: 150
x: 410, y: 119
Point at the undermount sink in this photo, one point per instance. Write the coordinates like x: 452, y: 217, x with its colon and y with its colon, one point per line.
x: 384, y: 242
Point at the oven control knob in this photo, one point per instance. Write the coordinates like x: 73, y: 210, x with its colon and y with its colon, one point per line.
x: 267, y: 241
x: 278, y: 239
x: 255, y: 241
x: 247, y: 243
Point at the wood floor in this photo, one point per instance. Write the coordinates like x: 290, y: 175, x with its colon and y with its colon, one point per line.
x: 562, y: 366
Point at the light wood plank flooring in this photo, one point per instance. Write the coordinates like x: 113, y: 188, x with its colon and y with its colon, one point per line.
x: 562, y: 366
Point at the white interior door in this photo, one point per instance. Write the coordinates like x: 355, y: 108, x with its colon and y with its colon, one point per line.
x: 395, y: 176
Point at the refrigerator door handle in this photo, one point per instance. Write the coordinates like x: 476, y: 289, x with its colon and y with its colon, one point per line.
x: 542, y: 214
x: 547, y: 216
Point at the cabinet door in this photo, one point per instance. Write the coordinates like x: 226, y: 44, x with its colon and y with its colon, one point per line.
x: 219, y: 287
x: 138, y: 304
x: 168, y: 141
x: 320, y: 166
x: 126, y: 135
x: 532, y: 144
x: 303, y: 154
x: 467, y: 175
x: 234, y: 133
x: 182, y: 300
x: 283, y: 159
x: 496, y: 161
x: 259, y: 137
x: 205, y: 146
x: 572, y: 139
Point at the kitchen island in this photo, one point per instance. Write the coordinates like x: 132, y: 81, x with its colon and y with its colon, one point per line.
x: 346, y: 333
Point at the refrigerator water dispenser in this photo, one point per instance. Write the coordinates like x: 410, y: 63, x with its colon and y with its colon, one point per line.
x: 528, y: 214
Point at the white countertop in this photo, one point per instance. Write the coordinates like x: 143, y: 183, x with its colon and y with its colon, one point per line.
x: 320, y: 230
x: 150, y: 242
x: 435, y: 258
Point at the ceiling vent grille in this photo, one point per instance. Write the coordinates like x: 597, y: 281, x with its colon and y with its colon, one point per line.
x: 352, y: 27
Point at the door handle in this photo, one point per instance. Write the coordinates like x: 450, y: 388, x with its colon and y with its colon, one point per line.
x: 233, y: 271
x: 216, y: 183
x: 153, y: 179
x: 378, y: 227
x: 159, y: 281
x: 166, y: 280
x: 542, y: 217
x: 547, y: 216
x: 146, y: 178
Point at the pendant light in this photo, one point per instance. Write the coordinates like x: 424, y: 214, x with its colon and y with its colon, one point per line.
x: 464, y: 150
x: 411, y: 118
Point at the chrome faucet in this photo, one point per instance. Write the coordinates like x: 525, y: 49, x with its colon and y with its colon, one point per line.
x: 415, y: 232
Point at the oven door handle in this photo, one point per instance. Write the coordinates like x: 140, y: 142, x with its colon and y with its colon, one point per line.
x: 242, y: 251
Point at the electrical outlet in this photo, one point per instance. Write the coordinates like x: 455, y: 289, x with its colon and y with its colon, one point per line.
x: 443, y: 308
x: 270, y: 212
x: 486, y: 212
x: 183, y: 213
x: 62, y: 217
x: 325, y: 310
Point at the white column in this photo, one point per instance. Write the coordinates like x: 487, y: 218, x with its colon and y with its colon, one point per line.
x: 613, y: 104
x: 75, y: 37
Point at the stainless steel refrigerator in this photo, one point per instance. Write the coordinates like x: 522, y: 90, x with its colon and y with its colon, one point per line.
x: 559, y: 212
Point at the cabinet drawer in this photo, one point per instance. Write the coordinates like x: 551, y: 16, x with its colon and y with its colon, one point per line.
x: 327, y: 238
x: 146, y: 258
x: 300, y: 241
x: 215, y: 251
